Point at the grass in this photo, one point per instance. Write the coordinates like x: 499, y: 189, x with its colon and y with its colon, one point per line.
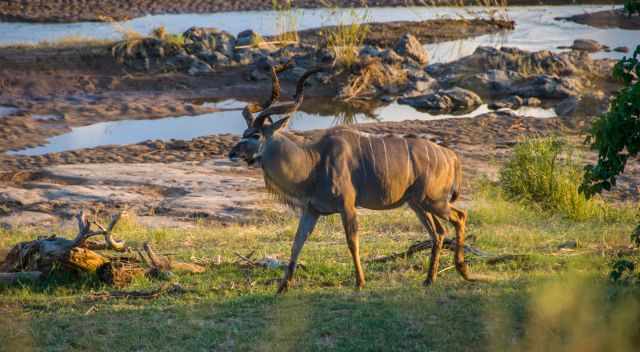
x: 286, y: 21
x: 547, y: 299
x: 346, y: 38
x: 548, y: 173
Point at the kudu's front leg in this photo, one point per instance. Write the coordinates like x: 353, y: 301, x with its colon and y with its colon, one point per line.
x: 306, y: 225
x: 350, y: 223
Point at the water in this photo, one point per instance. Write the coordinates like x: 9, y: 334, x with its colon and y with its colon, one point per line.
x: 229, y: 121
x: 535, y: 27
x: 7, y: 110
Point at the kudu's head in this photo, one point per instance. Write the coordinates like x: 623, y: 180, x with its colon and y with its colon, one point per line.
x: 262, y: 128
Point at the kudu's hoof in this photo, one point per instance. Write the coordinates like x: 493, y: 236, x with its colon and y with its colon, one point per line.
x: 428, y: 282
x: 283, y: 287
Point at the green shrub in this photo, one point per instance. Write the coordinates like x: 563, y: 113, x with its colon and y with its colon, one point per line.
x: 632, y: 7
x: 616, y: 134
x: 544, y: 172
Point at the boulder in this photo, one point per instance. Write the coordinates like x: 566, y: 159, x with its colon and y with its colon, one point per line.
x: 567, y: 106
x: 199, y: 67
x: 457, y: 100
x: 201, y: 39
x: 547, y: 87
x: 214, y: 58
x: 248, y: 37
x: 463, y: 99
x: 621, y: 49
x: 389, y: 56
x: 370, y: 51
x: 431, y: 102
x: 410, y: 47
x: 513, y: 102
x: 493, y: 82
x: 588, y: 45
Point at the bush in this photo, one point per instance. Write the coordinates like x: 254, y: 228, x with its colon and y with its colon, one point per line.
x: 616, y: 134
x: 544, y: 172
x: 632, y: 7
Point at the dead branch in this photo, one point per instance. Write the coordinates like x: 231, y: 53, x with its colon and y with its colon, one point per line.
x: 165, y: 264
x: 79, y: 255
x: 174, y: 289
x: 424, y: 245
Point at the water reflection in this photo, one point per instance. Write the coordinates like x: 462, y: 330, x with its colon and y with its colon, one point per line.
x: 315, y: 114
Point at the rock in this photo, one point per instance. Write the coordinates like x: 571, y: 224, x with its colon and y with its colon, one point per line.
x: 451, y: 100
x: 199, y: 67
x: 588, y: 45
x: 463, y: 99
x: 548, y: 87
x: 532, y: 102
x: 513, y: 102
x: 243, y: 57
x: 258, y: 75
x: 588, y: 105
x: 571, y: 244
x: 248, y: 37
x: 199, y: 39
x: 294, y: 73
x: 567, y: 106
x: 493, y: 82
x: 370, y: 51
x: 430, y: 102
x: 410, y: 47
x: 621, y: 49
x: 421, y: 86
x: 508, y: 59
x: 389, y: 56
x: 181, y: 61
x: 215, y: 58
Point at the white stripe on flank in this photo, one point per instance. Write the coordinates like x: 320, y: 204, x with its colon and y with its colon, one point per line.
x: 373, y: 156
x: 386, y: 158
x: 406, y: 145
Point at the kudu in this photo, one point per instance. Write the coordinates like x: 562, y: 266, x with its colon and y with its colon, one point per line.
x: 345, y: 169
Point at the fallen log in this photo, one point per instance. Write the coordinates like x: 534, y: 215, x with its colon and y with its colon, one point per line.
x: 47, y: 253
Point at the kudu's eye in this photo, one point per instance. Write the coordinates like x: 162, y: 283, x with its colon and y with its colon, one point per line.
x: 255, y: 136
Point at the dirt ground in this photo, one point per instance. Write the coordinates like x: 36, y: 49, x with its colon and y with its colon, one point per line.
x: 175, y: 182
x: 96, y: 10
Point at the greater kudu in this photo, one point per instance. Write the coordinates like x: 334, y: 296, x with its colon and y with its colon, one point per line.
x: 345, y: 169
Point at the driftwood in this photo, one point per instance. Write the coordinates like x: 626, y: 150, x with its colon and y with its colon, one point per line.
x: 29, y: 261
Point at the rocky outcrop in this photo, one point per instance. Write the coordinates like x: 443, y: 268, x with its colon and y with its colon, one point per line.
x: 455, y: 100
x: 410, y: 47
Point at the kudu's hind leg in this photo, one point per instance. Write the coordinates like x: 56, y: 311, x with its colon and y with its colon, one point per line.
x: 458, y: 218
x: 350, y: 223
x: 437, y: 236
x: 306, y: 225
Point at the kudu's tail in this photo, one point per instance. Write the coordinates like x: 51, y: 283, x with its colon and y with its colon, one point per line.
x: 457, y: 180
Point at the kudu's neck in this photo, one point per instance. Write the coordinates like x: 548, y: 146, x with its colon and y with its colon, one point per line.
x: 289, y: 165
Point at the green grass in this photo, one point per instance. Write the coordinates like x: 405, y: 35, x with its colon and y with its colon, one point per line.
x: 548, y: 173
x: 547, y: 299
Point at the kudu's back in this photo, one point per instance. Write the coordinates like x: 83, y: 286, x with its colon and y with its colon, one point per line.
x: 386, y: 171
